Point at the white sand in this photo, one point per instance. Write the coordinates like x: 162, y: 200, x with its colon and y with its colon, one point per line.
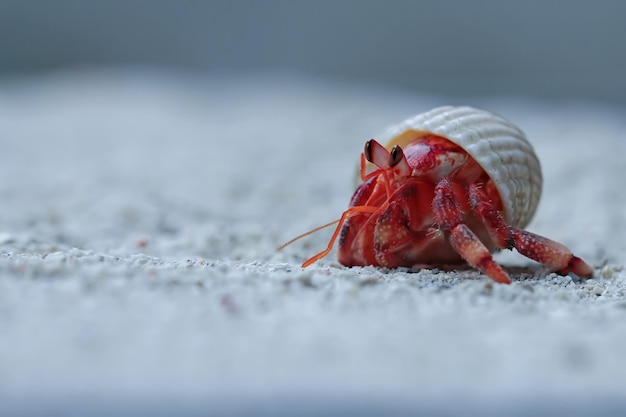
x: 138, y: 219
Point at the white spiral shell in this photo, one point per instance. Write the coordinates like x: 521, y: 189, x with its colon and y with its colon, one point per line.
x: 497, y: 145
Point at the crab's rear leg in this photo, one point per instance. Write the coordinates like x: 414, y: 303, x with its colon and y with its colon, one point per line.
x: 548, y: 252
x: 448, y: 213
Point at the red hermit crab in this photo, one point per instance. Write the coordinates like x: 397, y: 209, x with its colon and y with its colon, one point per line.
x: 452, y: 184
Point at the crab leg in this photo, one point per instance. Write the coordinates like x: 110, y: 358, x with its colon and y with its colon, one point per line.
x: 352, y: 211
x: 449, y: 217
x: 548, y: 252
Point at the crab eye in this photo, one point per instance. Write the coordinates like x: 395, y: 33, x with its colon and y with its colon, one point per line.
x: 395, y: 156
x: 368, y: 150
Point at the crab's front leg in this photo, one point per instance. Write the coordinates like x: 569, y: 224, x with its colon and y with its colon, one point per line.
x: 548, y: 252
x: 448, y: 211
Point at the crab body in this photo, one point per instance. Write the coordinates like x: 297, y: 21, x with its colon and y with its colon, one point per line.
x: 452, y: 185
x: 403, y: 230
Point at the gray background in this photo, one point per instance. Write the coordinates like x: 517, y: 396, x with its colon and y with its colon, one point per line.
x: 141, y: 209
x: 560, y: 49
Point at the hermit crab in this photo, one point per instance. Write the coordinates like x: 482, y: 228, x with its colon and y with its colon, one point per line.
x: 453, y: 184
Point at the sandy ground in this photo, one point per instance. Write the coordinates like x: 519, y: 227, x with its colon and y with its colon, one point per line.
x: 139, y: 217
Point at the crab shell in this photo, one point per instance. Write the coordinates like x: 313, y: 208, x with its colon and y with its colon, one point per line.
x: 498, y: 146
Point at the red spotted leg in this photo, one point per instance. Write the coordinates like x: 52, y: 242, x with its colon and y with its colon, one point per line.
x: 448, y: 212
x: 548, y: 252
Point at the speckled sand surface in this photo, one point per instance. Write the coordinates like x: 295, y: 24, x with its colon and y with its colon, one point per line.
x: 138, y: 220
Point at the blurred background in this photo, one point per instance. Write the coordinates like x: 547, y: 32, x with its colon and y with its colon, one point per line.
x: 558, y: 49
x: 155, y: 153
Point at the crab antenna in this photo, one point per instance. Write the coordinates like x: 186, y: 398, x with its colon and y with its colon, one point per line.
x: 363, y: 170
x: 352, y: 211
x: 310, y: 232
